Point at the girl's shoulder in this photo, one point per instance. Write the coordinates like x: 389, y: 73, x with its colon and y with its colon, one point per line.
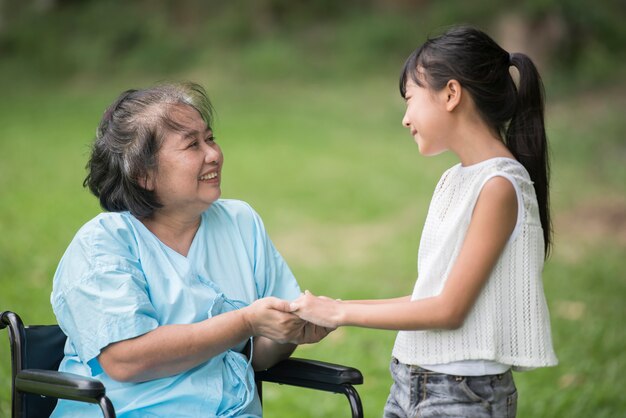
x: 513, y: 170
x: 488, y: 168
x: 490, y: 163
x: 466, y: 182
x: 507, y: 164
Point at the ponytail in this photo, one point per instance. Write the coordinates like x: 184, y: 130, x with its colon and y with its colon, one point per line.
x: 482, y: 67
x: 526, y: 137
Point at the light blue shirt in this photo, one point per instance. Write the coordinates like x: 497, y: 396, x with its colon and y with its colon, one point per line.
x: 117, y: 281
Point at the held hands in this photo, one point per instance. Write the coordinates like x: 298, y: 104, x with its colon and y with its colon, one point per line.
x: 273, y: 318
x: 312, y: 333
x: 320, y: 310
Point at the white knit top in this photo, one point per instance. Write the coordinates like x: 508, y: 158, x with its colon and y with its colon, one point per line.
x: 509, y: 322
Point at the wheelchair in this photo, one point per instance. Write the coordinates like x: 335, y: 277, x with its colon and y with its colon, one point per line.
x: 36, y: 383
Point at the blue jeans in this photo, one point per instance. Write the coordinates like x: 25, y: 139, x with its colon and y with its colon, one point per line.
x: 417, y: 392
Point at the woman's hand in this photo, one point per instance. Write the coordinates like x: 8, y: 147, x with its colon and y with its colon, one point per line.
x: 276, y: 331
x: 312, y: 333
x: 272, y: 318
x: 281, y: 329
x: 321, y: 310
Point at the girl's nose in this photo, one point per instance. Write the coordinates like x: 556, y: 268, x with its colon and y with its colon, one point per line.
x: 405, y: 121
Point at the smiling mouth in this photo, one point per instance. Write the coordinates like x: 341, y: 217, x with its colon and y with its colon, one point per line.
x: 208, y: 176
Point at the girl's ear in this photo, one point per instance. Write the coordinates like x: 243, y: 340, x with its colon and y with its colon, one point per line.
x: 453, y: 93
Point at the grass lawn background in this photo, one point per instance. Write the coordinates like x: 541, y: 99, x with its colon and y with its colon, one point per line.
x: 343, y: 192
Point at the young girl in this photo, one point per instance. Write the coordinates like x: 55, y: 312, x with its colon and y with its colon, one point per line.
x: 478, y: 309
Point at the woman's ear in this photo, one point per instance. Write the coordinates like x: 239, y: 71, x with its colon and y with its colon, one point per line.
x: 453, y: 93
x: 147, y: 181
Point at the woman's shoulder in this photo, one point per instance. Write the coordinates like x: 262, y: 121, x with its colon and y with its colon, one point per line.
x: 231, y: 208
x: 230, y: 205
x: 107, y: 232
x: 232, y: 212
x: 107, y: 225
x: 109, y: 239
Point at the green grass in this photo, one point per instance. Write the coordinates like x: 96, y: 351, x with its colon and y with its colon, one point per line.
x: 343, y: 192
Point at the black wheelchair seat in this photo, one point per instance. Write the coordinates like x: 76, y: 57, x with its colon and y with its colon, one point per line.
x: 36, y: 383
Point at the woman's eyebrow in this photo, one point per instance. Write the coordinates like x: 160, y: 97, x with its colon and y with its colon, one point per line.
x: 194, y: 134
x: 191, y: 134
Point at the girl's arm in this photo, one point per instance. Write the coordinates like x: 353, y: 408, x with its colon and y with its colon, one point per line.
x: 406, y: 298
x: 492, y: 223
x: 172, y: 349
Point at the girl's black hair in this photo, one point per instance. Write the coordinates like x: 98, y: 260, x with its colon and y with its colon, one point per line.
x: 481, y: 66
x: 127, y: 142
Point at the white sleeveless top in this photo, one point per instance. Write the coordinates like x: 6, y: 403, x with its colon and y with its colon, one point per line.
x: 509, y: 323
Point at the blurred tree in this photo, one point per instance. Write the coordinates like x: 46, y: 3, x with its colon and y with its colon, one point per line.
x: 62, y: 37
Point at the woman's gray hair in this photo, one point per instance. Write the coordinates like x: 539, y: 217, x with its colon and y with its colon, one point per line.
x: 128, y: 139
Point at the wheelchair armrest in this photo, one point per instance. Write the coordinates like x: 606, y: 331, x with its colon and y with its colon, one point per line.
x: 317, y: 375
x: 60, y: 385
x: 311, y: 373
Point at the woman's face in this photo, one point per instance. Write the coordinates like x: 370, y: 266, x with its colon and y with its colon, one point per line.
x: 426, y: 118
x: 189, y: 165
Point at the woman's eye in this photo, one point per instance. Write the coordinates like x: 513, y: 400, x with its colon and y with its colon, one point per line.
x: 210, y: 139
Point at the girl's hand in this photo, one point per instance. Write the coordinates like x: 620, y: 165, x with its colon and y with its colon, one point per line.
x: 272, y: 318
x: 321, y: 311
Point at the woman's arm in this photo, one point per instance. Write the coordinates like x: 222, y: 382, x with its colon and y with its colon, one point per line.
x: 267, y: 352
x: 492, y: 223
x: 172, y: 349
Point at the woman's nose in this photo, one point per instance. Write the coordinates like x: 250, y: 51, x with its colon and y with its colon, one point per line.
x: 212, y: 154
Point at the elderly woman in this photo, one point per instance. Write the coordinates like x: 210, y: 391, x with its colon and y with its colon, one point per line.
x: 173, y: 295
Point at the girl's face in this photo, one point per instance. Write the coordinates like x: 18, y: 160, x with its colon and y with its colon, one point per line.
x: 427, y: 118
x: 189, y: 165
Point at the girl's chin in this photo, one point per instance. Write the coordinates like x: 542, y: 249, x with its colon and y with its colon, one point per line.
x: 428, y: 151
